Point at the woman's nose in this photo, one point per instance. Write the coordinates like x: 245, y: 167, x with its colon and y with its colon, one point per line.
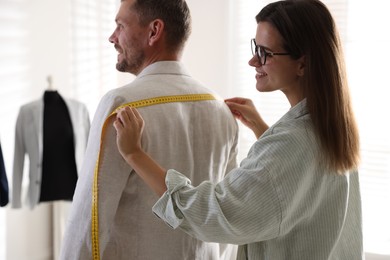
x: 254, y: 61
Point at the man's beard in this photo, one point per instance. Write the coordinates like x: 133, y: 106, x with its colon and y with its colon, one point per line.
x: 134, y: 67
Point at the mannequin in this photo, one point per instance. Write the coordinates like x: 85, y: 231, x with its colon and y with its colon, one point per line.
x: 53, y: 132
x: 50, y: 83
x: 54, y: 139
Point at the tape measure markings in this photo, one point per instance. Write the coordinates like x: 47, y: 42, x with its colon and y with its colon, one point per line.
x: 95, y: 188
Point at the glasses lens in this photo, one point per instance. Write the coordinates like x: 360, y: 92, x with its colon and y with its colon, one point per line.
x: 262, y: 54
x: 253, y: 47
x: 258, y: 51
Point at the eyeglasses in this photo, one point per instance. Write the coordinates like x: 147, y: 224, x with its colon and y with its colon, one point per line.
x: 262, y: 54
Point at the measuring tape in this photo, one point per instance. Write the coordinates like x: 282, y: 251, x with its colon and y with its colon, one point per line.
x: 95, y: 191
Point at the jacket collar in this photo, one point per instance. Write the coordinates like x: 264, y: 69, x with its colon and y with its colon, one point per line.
x: 164, y: 67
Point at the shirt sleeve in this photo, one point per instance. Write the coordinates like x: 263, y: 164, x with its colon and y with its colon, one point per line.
x: 18, y: 166
x: 243, y: 208
x: 254, y: 202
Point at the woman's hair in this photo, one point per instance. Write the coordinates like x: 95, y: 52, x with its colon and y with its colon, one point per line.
x: 175, y: 15
x: 309, y: 31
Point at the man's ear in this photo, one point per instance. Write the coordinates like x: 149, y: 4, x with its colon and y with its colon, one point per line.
x: 156, y: 28
x: 301, y: 66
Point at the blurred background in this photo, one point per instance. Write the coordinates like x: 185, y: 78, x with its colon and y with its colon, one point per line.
x: 67, y: 41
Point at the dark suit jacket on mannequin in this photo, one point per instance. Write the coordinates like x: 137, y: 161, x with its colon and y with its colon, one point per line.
x: 3, y: 182
x: 29, y: 140
x: 59, y: 170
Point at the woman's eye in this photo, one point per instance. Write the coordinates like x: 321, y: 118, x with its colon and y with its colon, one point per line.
x: 262, y: 52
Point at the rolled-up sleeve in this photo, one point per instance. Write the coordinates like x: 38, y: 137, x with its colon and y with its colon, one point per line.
x: 242, y: 208
x: 165, y: 208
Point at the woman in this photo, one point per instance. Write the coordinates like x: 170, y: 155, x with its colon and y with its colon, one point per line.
x: 296, y: 195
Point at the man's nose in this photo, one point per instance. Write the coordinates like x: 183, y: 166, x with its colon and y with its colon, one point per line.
x: 112, y: 38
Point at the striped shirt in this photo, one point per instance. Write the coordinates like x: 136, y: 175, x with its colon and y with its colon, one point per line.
x: 281, y: 203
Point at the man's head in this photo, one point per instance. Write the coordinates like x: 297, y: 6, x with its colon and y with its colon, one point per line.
x: 148, y: 31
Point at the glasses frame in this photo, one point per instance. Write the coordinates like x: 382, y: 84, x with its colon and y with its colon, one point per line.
x: 259, y: 54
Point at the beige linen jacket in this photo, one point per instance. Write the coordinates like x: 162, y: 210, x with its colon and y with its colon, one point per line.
x: 198, y: 138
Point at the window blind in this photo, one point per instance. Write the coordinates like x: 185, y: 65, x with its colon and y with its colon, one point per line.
x: 93, y: 57
x: 93, y: 66
x: 368, y: 78
x: 13, y: 67
x: 272, y: 105
x: 365, y: 46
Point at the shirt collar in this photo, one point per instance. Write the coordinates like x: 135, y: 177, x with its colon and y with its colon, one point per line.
x: 296, y: 111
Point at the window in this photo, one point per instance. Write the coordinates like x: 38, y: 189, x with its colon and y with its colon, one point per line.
x: 12, y: 70
x: 365, y: 47
x: 272, y: 105
x: 88, y: 24
x: 93, y: 62
x: 369, y: 86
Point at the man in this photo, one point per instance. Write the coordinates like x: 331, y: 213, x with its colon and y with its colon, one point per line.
x: 149, y: 37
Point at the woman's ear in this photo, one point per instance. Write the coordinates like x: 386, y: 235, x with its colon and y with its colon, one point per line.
x: 301, y: 66
x: 156, y: 28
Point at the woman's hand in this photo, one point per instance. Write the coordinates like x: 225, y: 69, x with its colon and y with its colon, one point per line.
x: 244, y: 110
x: 129, y: 126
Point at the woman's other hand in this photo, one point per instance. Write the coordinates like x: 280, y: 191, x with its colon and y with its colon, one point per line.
x: 244, y: 110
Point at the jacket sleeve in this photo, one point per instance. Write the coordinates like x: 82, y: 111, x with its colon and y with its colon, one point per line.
x: 113, y: 175
x: 19, y: 154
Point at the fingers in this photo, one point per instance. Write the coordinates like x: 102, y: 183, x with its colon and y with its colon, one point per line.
x: 236, y: 108
x: 118, y: 125
x: 138, y: 117
x: 238, y: 100
x: 128, y: 116
x: 233, y: 106
x: 123, y: 116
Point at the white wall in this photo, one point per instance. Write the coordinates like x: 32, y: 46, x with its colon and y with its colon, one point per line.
x: 206, y: 54
x: 50, y: 44
x: 28, y: 234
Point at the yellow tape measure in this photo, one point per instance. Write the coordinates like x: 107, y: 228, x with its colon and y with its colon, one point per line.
x: 136, y: 104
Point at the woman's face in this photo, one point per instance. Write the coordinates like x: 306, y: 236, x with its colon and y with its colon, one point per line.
x: 280, y: 72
